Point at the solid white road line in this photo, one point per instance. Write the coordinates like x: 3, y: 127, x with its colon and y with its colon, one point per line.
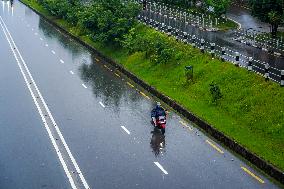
x: 72, y: 72
x: 128, y: 132
x: 102, y: 104
x: 13, y: 48
x: 42, y: 116
x: 53, y: 52
x: 161, y: 167
x: 84, y: 86
x: 62, y: 62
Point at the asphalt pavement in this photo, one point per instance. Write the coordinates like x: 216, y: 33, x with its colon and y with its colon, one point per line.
x: 75, y: 122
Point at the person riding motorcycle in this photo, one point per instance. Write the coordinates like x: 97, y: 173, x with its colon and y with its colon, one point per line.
x: 156, y: 112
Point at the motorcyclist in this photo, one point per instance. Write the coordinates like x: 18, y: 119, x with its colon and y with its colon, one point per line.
x: 156, y: 112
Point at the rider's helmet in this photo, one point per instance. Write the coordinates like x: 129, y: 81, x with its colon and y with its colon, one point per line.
x: 158, y: 104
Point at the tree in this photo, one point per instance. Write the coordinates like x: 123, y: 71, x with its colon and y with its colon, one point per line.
x: 274, y: 20
x: 215, y: 92
x: 220, y: 6
x: 270, y: 11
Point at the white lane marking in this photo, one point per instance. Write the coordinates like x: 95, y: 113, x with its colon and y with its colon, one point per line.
x: 128, y: 132
x: 50, y: 115
x: 102, y: 105
x: 161, y: 167
x: 84, y: 86
x: 32, y: 29
x: 62, y: 62
x: 67, y: 172
x: 35, y: 33
x: 46, y: 45
x: 72, y: 72
x: 41, y: 39
x: 53, y: 52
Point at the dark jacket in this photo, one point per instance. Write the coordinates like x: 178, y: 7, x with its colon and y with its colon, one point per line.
x: 158, y: 111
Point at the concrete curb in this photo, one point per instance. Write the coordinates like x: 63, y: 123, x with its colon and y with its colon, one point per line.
x: 239, y: 24
x: 230, y: 143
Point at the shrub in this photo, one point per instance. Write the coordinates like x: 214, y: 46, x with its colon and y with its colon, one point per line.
x: 215, y: 92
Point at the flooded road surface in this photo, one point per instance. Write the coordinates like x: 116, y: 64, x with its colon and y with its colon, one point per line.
x: 69, y: 120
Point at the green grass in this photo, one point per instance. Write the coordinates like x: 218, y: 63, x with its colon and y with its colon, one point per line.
x: 227, y: 25
x: 251, y: 111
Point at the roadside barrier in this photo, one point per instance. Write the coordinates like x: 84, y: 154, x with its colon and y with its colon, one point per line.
x: 250, y: 64
x: 184, y: 37
x: 266, y: 74
x: 237, y: 59
x: 193, y: 38
x: 202, y: 42
x: 223, y: 53
x: 212, y: 48
x: 282, y: 78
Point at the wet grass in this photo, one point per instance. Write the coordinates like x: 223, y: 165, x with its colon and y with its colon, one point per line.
x: 251, y: 111
x: 225, y: 25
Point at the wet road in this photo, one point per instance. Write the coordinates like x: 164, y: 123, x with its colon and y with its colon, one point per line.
x: 244, y: 17
x: 101, y: 117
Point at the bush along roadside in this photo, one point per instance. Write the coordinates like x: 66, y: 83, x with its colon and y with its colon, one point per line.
x: 247, y: 109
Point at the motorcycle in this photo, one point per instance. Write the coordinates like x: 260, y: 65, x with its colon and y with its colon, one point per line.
x: 160, y: 123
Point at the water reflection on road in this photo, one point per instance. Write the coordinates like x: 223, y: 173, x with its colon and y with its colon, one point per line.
x: 158, y: 142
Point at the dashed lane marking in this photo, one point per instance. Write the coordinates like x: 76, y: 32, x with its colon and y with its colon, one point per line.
x: 53, y: 52
x: 84, y: 86
x: 62, y: 62
x: 102, y: 105
x: 130, y: 84
x: 72, y: 72
x: 36, y: 33
x: 117, y: 75
x: 185, y: 125
x: 46, y: 45
x: 215, y: 147
x: 41, y: 39
x: 253, y: 175
x: 107, y: 68
x: 143, y: 94
x: 128, y: 132
x: 97, y: 59
x: 161, y: 167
